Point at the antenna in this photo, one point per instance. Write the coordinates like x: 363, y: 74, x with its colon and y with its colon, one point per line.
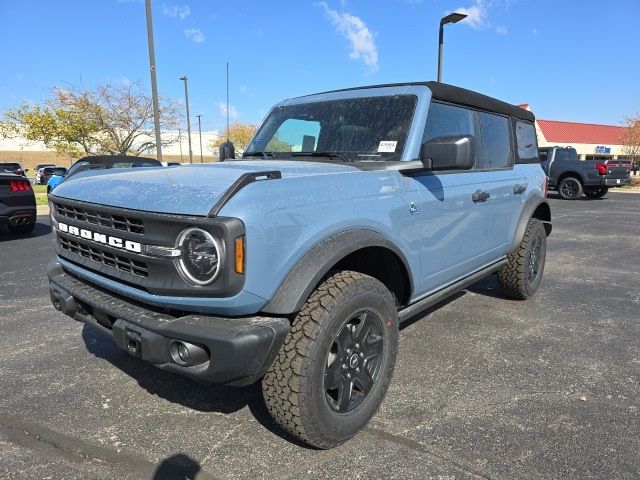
x: 227, y: 101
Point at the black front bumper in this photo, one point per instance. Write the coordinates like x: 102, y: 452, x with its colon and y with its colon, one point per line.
x: 237, y: 351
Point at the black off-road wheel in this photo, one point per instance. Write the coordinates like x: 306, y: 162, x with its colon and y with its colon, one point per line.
x: 570, y: 188
x: 335, y: 366
x: 520, y: 277
x: 596, y: 192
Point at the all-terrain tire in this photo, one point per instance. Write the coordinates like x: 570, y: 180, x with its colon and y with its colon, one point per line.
x: 520, y: 277
x: 294, y: 388
x: 596, y: 192
x: 570, y: 188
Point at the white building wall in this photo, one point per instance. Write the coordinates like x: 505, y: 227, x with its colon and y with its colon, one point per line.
x: 178, y: 142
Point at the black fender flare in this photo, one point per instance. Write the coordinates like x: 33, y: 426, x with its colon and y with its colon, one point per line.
x: 298, y: 284
x: 532, y: 205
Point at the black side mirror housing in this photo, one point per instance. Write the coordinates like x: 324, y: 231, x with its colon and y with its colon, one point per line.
x: 227, y: 150
x: 448, y: 153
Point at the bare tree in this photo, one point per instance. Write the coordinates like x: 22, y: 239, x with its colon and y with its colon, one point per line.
x: 107, y: 119
x: 631, y: 138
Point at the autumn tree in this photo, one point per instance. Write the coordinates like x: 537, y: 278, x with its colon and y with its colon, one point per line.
x: 240, y: 135
x: 631, y: 138
x: 107, y: 119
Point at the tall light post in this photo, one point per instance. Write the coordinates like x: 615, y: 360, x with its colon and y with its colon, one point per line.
x: 451, y: 18
x: 200, y: 134
x: 186, y: 99
x: 154, y: 86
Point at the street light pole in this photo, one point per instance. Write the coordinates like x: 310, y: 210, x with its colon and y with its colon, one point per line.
x: 200, y: 134
x: 186, y: 99
x: 451, y: 18
x: 154, y: 86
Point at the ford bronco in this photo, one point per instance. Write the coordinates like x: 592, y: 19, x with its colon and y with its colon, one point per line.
x: 349, y: 212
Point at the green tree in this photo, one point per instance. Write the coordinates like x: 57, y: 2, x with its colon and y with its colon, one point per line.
x: 104, y: 120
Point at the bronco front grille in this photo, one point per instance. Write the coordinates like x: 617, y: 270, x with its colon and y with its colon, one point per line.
x: 106, y: 258
x: 117, y: 222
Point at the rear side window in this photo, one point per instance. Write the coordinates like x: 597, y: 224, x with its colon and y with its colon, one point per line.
x: 447, y: 120
x: 496, y: 143
x: 526, y: 140
x: 543, y: 155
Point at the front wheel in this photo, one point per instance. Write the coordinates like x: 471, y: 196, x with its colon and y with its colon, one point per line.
x: 335, y: 366
x: 570, y: 188
x: 520, y: 277
x: 596, y: 192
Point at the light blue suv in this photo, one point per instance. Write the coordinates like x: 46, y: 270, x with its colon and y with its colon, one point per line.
x: 349, y: 212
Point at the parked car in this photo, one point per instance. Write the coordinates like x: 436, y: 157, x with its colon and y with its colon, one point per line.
x: 38, y: 171
x: 13, y: 167
x: 572, y: 177
x: 100, y: 163
x: 48, y: 172
x: 17, y: 203
x: 296, y: 263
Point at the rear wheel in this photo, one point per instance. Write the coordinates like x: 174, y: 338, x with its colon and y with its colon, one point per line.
x: 596, y: 192
x: 333, y: 370
x: 520, y: 277
x: 570, y: 188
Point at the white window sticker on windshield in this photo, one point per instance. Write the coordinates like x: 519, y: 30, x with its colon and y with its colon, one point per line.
x: 387, y: 146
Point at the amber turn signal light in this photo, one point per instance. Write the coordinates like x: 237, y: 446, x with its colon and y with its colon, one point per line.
x: 239, y: 244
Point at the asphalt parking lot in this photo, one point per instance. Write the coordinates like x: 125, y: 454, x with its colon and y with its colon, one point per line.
x: 484, y: 387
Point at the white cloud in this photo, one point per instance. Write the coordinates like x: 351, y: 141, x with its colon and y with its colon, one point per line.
x: 363, y: 45
x: 476, y: 14
x: 243, y: 88
x: 194, y: 34
x: 233, y: 113
x: 534, y: 31
x: 182, y: 11
x: 502, y: 30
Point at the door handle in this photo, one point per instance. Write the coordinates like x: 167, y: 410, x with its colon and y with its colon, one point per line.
x: 480, y: 196
x: 518, y: 189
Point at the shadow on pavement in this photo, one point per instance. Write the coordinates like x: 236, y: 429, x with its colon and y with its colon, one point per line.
x: 40, y: 229
x: 202, y: 397
x: 178, y: 467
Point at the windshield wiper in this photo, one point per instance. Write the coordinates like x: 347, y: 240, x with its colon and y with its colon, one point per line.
x: 321, y: 154
x: 258, y: 154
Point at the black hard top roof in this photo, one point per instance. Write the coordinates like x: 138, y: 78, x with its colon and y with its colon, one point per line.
x: 462, y: 96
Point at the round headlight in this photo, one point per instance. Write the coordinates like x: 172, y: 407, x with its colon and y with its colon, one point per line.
x: 200, y: 257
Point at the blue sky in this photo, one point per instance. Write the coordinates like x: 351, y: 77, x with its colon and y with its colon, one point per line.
x: 571, y: 60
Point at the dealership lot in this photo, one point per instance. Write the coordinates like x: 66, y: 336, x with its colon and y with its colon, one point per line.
x: 484, y: 387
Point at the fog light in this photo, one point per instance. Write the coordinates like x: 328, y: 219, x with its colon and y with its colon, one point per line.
x: 187, y: 354
x: 183, y: 353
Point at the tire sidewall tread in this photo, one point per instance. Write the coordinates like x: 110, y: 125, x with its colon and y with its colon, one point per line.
x: 293, y: 386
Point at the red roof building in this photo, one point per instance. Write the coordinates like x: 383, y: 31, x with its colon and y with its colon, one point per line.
x: 592, y: 141
x: 574, y: 132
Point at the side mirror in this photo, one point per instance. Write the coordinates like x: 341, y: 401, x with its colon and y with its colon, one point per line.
x: 448, y: 153
x: 227, y: 150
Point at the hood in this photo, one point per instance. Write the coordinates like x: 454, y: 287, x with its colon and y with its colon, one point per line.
x: 183, y: 190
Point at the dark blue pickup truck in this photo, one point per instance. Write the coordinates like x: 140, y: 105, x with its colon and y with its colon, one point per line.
x: 572, y: 177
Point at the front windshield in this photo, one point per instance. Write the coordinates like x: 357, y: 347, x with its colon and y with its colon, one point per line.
x: 352, y: 129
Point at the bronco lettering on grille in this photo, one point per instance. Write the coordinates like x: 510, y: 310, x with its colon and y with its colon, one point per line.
x: 100, y: 238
